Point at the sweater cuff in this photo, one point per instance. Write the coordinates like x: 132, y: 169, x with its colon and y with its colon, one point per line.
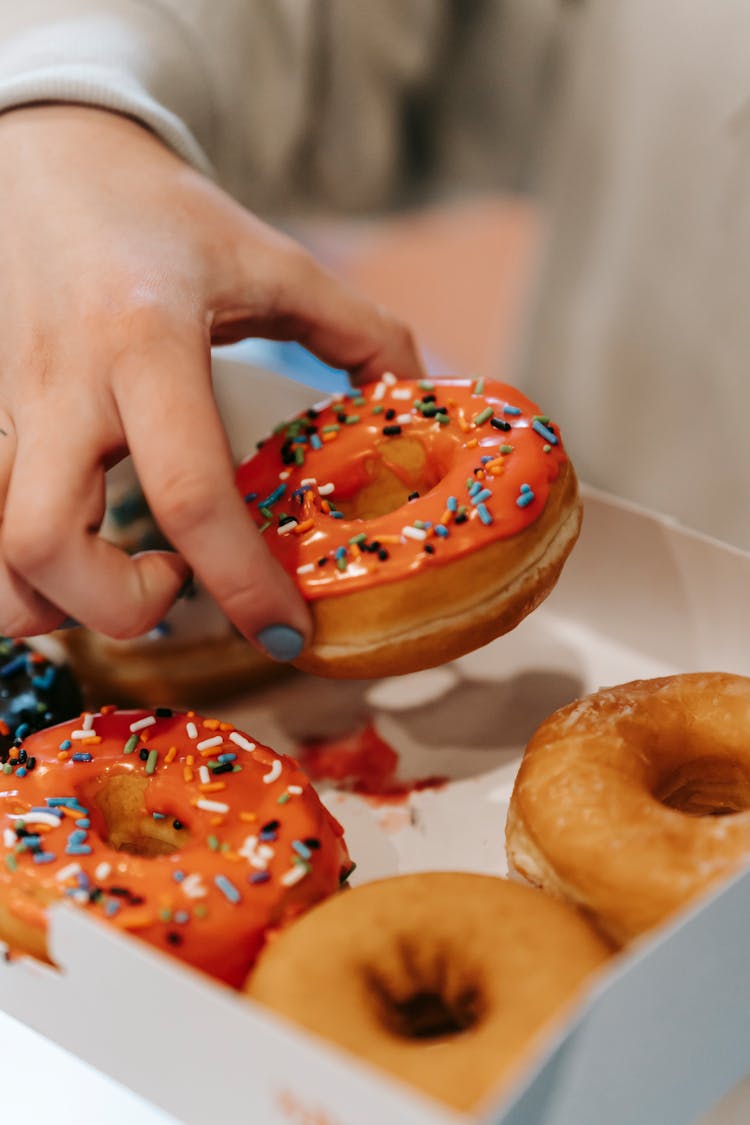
x: 103, y: 88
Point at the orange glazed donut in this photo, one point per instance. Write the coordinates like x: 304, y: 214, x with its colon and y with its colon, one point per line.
x: 420, y: 520
x: 635, y: 799
x: 175, y: 828
x: 444, y: 979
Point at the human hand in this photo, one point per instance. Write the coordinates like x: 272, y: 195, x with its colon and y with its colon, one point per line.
x: 121, y: 265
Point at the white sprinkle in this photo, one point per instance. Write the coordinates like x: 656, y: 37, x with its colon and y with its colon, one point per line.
x: 240, y: 740
x: 37, y: 818
x: 413, y: 532
x: 273, y: 773
x: 326, y: 489
x: 192, y: 730
x: 81, y: 734
x: 88, y: 720
x: 103, y: 871
x: 404, y: 419
x: 204, y: 775
x: 265, y: 851
x: 401, y: 392
x: 212, y: 806
x: 388, y: 378
x: 285, y: 528
x: 293, y: 875
x: 68, y: 872
x: 295, y: 790
x: 81, y: 897
x: 193, y: 887
x: 306, y: 569
x: 207, y: 743
x: 247, y: 851
x: 141, y: 724
x: 285, y: 474
x: 378, y: 392
x: 308, y: 482
x: 9, y: 838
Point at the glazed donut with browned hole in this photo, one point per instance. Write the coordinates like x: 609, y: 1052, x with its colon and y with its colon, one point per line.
x: 634, y: 800
x: 420, y: 520
x: 446, y: 980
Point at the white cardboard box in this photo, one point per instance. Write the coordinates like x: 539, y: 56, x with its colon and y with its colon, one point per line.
x: 661, y: 1036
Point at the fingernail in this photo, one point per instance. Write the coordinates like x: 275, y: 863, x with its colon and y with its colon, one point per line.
x: 70, y: 623
x: 280, y: 642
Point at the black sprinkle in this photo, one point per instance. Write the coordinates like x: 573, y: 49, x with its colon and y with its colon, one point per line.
x: 383, y: 555
x: 259, y: 444
x: 413, y: 496
x: 143, y: 755
x: 390, y: 415
x: 311, y: 842
x: 271, y: 826
x: 31, y: 763
x: 174, y: 938
x: 163, y: 712
x: 429, y: 398
x: 223, y: 767
x: 177, y: 825
x: 311, y: 413
x: 429, y: 548
x: 460, y: 518
x: 22, y: 756
x: 391, y: 431
x: 322, y: 561
x: 499, y: 424
x: 95, y: 894
x: 286, y: 519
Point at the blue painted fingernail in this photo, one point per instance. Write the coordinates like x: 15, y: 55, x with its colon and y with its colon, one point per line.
x: 281, y: 642
x: 70, y: 623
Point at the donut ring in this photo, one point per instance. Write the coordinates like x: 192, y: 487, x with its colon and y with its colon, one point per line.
x: 420, y: 520
x: 443, y: 979
x: 177, y: 829
x: 620, y: 799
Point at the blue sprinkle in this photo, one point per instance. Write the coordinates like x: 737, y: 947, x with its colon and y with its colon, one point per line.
x: 267, y: 834
x: 544, y: 432
x: 112, y: 907
x: 31, y: 841
x: 83, y: 822
x: 301, y: 440
x: 301, y: 849
x: 43, y: 808
x: 181, y: 917
x: 44, y: 857
x: 481, y: 496
x: 512, y: 410
x: 273, y: 496
x: 13, y: 666
x: 525, y: 488
x: 22, y: 730
x: 82, y: 757
x: 227, y: 888
x: 21, y: 771
x: 484, y: 460
x: 259, y: 877
x: 341, y: 552
x: 64, y: 745
x: 45, y: 681
x: 315, y: 441
x: 178, y: 876
x: 452, y: 504
x: 484, y: 515
x: 524, y: 499
x: 441, y: 530
x: 78, y: 849
x: 159, y: 815
x: 83, y: 880
x: 337, y: 515
x: 250, y: 496
x: 475, y: 488
x: 77, y: 837
x: 226, y: 758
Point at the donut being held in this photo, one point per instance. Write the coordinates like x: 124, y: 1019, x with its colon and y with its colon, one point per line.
x: 177, y: 829
x: 34, y: 693
x: 636, y: 799
x: 420, y: 520
x: 446, y: 980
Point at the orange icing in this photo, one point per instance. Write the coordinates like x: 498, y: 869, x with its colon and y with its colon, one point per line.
x: 350, y: 454
x: 182, y: 902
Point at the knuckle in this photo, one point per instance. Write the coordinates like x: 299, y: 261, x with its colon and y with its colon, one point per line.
x: 184, y: 503
x: 31, y: 544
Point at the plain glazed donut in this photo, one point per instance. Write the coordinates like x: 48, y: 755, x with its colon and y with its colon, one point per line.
x: 420, y: 520
x: 444, y: 979
x: 177, y: 829
x: 632, y: 801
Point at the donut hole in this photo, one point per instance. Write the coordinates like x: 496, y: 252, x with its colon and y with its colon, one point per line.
x: 419, y: 1005
x: 120, y: 817
x: 398, y: 468
x: 706, y: 786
